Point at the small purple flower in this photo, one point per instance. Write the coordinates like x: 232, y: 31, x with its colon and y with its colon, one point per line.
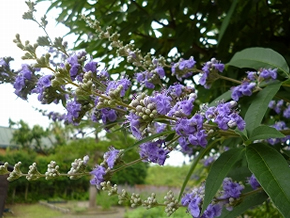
x: 253, y: 182
x: 91, y: 66
x: 212, y: 210
x: 108, y: 115
x: 183, y: 69
x: 245, y: 89
x: 210, y: 70
x: 286, y: 112
x: 112, y: 85
x: 111, y: 156
x: 231, y: 189
x: 160, y: 71
x: 134, y: 122
x: 183, y: 107
x: 73, y: 110
x: 224, y: 115
x: 153, y: 152
x: 163, y: 103
x: 145, y: 78
x: 175, y: 90
x: 268, y: 74
x: 281, y: 125
x: 252, y: 75
x: 99, y: 173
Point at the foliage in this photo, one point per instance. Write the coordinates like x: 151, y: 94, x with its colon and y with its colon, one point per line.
x: 155, y: 212
x: 174, y: 176
x: 29, y: 138
x: 233, y: 118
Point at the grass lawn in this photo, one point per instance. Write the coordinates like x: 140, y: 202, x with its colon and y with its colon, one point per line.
x: 31, y: 211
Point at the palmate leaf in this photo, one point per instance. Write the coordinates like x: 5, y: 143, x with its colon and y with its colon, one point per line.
x: 272, y: 172
x: 259, y: 106
x: 257, y: 58
x: 219, y: 170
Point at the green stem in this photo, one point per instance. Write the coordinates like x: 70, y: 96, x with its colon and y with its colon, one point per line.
x: 229, y: 79
x: 125, y: 165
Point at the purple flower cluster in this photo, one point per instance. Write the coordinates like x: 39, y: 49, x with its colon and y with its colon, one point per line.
x: 23, y: 82
x: 162, y: 103
x: 268, y: 74
x: 281, y: 125
x: 210, y: 70
x: 279, y: 107
x: 191, y: 131
x: 56, y: 116
x: 42, y: 83
x: 224, y: 115
x: 135, y: 125
x: 253, y: 182
x: 75, y: 66
x: 150, y: 78
x: 250, y: 83
x: 245, y: 89
x: 113, y: 85
x: 183, y: 69
x: 98, y: 173
x: 108, y: 115
x: 231, y: 191
x: 153, y: 152
x: 111, y: 157
x: 182, y: 108
x: 276, y: 106
x: 73, y: 111
x: 193, y: 201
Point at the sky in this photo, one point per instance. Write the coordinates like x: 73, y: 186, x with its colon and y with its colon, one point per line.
x: 11, y: 22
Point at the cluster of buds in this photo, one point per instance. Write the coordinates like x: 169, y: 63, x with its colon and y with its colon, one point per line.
x: 171, y: 203
x: 145, y: 108
x: 33, y: 173
x: 151, y: 201
x: 78, y: 167
x: 107, y: 186
x: 16, y: 173
x: 52, y: 170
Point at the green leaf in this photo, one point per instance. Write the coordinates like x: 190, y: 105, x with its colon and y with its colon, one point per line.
x: 201, y: 154
x: 265, y: 132
x: 257, y: 58
x: 219, y: 170
x: 247, y: 203
x: 225, y: 97
x: 259, y: 106
x: 227, y: 20
x: 272, y: 172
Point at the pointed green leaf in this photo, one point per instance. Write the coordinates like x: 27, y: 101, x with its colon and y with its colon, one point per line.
x: 219, y: 170
x: 259, y: 106
x: 201, y: 154
x: 257, y: 58
x: 265, y: 132
x: 272, y: 172
x: 227, y: 20
x: 247, y: 203
x: 225, y: 97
